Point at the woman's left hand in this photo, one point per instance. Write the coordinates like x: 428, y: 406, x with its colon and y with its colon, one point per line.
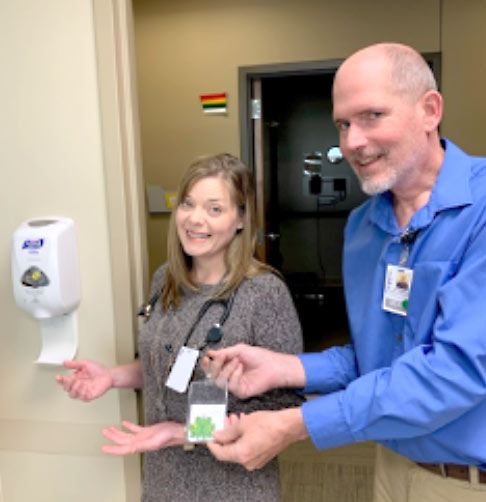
x: 140, y: 438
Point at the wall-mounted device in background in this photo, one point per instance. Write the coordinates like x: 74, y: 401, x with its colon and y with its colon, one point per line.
x: 312, y: 173
x: 46, y: 282
x: 329, y: 189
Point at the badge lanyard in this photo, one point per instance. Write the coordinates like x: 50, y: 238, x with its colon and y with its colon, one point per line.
x: 407, y: 238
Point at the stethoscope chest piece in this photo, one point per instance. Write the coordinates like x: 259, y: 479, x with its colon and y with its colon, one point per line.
x: 214, y: 334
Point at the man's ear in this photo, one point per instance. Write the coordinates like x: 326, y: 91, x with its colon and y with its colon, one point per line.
x: 432, y: 107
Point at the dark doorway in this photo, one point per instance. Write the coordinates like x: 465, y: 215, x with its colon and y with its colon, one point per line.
x: 308, y: 200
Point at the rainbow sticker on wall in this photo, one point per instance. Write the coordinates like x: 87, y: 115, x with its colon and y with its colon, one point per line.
x: 214, y: 103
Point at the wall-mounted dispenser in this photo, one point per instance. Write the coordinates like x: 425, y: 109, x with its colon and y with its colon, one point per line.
x: 46, y: 282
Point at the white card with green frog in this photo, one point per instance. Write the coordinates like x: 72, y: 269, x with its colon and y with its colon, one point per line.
x: 207, y: 405
x: 204, y: 419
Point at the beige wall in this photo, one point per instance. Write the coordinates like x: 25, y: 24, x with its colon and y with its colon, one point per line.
x: 188, y: 47
x: 53, y: 130
x: 464, y: 73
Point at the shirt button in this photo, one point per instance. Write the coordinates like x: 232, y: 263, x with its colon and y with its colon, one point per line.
x: 399, y: 338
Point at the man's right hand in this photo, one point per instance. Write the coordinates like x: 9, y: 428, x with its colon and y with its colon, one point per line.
x: 253, y: 440
x: 248, y: 371
x: 89, y: 380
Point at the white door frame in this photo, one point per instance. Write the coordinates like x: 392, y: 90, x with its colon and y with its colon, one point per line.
x: 114, y: 34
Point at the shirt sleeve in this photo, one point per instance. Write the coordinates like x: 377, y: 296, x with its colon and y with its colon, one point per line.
x: 330, y: 370
x: 427, y: 387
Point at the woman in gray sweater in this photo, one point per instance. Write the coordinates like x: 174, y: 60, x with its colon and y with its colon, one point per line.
x: 211, y: 280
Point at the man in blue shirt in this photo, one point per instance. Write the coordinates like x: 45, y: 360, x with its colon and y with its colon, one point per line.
x: 413, y: 378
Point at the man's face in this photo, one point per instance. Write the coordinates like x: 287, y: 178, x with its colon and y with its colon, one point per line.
x: 380, y: 132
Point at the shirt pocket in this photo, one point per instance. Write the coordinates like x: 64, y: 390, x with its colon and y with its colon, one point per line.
x: 423, y: 306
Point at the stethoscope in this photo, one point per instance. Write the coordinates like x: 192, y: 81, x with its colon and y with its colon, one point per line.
x: 145, y: 311
x: 214, y: 333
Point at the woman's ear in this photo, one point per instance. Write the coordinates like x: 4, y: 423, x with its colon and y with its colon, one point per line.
x: 240, y: 224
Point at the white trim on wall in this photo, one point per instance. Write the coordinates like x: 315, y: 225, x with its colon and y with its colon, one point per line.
x: 125, y: 200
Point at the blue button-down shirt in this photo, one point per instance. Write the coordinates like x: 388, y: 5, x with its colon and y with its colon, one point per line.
x: 416, y: 383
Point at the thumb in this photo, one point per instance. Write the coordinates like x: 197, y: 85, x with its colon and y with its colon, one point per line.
x: 226, y: 453
x: 228, y: 435
x: 73, y: 365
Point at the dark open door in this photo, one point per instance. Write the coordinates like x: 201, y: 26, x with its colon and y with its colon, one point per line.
x: 258, y: 166
x: 265, y: 164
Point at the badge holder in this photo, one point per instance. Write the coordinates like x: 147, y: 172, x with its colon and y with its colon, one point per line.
x: 206, y: 411
x: 398, y: 282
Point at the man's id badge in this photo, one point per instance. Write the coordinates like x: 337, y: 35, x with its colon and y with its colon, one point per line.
x: 181, y: 372
x: 398, y: 282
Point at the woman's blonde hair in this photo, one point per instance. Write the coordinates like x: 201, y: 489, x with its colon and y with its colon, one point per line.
x: 240, y: 256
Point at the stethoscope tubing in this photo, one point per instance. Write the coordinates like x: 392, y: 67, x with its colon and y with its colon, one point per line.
x: 226, y: 302
x: 147, y: 309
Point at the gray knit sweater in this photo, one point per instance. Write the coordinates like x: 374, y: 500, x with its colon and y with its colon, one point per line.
x: 262, y: 314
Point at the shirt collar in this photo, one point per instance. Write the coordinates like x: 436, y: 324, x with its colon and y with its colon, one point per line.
x: 451, y: 189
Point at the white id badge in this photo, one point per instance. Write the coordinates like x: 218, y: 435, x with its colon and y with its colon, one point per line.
x: 181, y: 372
x: 206, y: 410
x: 398, y: 282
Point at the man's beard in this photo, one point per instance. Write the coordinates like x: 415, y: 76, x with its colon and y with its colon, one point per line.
x: 369, y: 184
x: 374, y: 187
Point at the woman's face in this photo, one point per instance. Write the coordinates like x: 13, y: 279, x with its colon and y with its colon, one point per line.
x: 207, y: 220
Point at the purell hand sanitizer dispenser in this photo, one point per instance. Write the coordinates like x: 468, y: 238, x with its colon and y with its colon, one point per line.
x: 46, y: 282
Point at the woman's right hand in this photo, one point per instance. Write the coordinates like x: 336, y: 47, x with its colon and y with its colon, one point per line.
x: 143, y: 438
x: 89, y: 380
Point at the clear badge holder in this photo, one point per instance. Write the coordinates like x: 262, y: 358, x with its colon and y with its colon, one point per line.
x: 206, y: 410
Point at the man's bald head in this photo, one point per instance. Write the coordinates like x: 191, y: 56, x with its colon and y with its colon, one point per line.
x: 410, y: 75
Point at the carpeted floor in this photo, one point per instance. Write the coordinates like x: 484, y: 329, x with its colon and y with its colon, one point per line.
x: 338, y: 475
